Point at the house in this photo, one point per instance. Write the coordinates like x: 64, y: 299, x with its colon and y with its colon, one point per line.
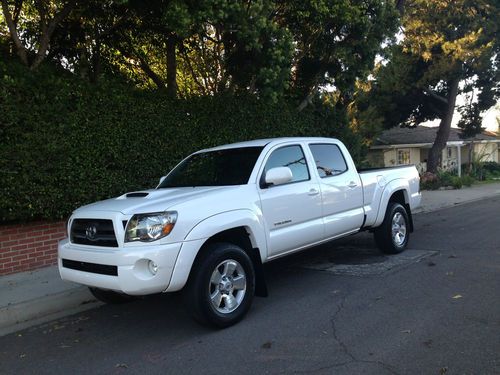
x: 399, y: 146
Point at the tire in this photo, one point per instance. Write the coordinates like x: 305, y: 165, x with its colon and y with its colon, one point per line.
x: 393, y: 234
x: 221, y: 287
x: 111, y: 297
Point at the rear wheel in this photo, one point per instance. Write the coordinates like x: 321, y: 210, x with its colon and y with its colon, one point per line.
x: 111, y: 297
x: 221, y: 288
x: 393, y: 234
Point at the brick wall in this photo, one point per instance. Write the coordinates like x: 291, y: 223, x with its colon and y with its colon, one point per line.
x: 25, y: 247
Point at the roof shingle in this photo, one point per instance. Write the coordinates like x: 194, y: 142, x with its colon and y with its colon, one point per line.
x: 424, y: 135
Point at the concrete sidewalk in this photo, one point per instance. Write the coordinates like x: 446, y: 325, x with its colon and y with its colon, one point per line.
x: 437, y: 199
x: 35, y: 297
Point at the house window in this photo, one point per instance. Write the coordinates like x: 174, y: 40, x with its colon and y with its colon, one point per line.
x: 448, y: 152
x: 404, y: 156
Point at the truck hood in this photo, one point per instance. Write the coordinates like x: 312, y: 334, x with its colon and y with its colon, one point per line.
x: 151, y: 200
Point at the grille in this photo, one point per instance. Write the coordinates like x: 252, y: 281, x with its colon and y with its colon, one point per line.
x: 94, y: 232
x: 102, y: 269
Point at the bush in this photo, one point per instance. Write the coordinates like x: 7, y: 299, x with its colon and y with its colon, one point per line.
x: 491, y: 170
x: 467, y: 180
x: 444, y: 179
x: 65, y: 142
x: 456, y: 182
x: 482, y: 171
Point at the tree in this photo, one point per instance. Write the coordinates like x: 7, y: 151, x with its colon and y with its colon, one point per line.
x: 449, y: 47
x: 336, y: 42
x: 270, y: 48
x: 46, y: 15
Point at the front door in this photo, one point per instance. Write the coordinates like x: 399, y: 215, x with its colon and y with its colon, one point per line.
x: 292, y: 211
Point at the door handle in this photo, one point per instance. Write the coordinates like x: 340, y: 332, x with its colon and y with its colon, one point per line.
x: 352, y: 185
x: 313, y: 191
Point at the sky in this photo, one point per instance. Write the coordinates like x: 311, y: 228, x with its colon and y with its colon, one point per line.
x: 489, y: 118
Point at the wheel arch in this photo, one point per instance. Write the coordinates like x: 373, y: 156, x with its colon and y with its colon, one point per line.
x: 240, y: 237
x: 397, y: 191
x: 241, y: 228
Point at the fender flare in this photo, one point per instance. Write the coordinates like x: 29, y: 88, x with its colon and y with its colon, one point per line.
x: 399, y: 184
x: 209, y: 227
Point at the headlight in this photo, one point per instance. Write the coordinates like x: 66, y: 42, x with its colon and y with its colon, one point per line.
x: 150, y: 227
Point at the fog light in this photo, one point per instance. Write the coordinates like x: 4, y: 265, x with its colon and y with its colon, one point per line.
x: 153, y: 267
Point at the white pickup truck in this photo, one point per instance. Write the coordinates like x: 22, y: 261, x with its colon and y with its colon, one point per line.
x: 222, y: 212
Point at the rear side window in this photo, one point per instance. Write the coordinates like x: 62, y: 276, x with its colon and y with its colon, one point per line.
x: 291, y: 157
x: 329, y: 160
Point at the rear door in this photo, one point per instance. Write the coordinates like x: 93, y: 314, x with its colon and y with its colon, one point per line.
x: 292, y: 211
x: 341, y: 189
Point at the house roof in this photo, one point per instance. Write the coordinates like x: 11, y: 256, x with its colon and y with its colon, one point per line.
x: 425, y: 135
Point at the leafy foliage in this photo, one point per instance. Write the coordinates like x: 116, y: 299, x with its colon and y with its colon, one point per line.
x: 269, y: 48
x: 65, y: 142
x: 447, y: 48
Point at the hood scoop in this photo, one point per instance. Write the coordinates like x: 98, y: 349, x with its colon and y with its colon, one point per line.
x: 139, y: 194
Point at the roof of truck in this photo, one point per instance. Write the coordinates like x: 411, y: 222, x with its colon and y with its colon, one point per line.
x: 266, y: 141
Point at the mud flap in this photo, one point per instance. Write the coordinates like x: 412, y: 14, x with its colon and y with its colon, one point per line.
x: 260, y: 278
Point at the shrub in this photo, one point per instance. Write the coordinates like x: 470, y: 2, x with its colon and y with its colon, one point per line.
x: 467, y: 180
x: 429, y: 181
x: 444, y: 179
x: 491, y: 170
x: 456, y: 182
x: 65, y: 142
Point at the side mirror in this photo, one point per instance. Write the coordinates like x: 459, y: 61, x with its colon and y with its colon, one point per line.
x: 278, y: 176
x: 162, y: 178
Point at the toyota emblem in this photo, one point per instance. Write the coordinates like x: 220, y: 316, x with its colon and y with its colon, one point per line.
x: 91, y: 231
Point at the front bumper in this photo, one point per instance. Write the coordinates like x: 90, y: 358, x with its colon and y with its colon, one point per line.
x: 133, y: 274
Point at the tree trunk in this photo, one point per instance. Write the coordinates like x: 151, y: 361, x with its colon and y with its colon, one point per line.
x: 151, y: 74
x: 48, y: 30
x: 400, y: 6
x: 443, y: 132
x: 171, y: 67
x: 96, y: 60
x: 20, y: 49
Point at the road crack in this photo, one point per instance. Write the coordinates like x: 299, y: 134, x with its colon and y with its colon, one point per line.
x: 352, y: 359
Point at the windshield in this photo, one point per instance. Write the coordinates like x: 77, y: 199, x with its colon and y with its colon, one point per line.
x: 231, y: 166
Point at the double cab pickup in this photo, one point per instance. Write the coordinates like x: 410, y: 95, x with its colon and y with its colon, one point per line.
x: 221, y: 213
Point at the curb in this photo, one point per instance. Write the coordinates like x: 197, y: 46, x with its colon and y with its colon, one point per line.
x: 424, y: 208
x: 40, y: 310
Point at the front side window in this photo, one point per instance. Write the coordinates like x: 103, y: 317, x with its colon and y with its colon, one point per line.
x: 329, y: 160
x: 292, y: 157
x: 231, y: 166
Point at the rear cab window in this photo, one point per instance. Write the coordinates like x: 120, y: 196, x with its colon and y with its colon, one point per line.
x: 329, y: 159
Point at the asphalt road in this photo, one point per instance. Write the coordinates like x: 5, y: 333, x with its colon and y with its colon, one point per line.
x: 342, y: 308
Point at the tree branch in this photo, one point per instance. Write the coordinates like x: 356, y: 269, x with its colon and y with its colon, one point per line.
x: 115, y: 26
x: 17, y: 11
x: 433, y: 95
x: 158, y: 81
x: 400, y: 6
x: 20, y: 49
x: 190, y: 67
x: 48, y: 30
x: 308, y: 99
x: 151, y: 74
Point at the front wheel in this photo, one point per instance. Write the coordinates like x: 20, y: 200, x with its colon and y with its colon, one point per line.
x: 221, y: 287
x: 393, y: 234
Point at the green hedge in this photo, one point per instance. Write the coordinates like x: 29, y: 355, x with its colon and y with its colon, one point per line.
x: 65, y: 142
